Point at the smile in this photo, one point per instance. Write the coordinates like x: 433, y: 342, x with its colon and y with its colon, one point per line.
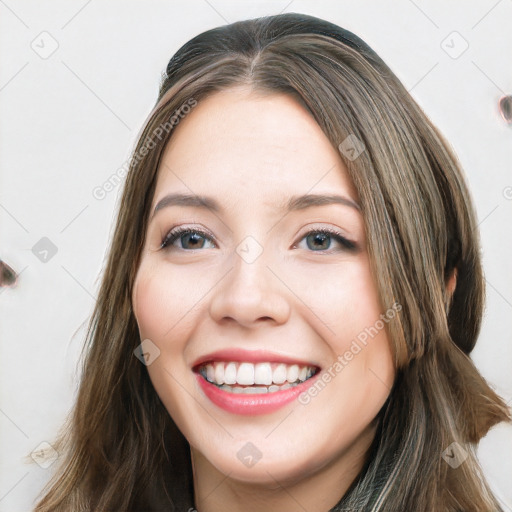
x: 252, y: 383
x: 250, y: 378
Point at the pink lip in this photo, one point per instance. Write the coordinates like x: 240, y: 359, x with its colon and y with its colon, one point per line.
x: 253, y: 404
x: 249, y: 356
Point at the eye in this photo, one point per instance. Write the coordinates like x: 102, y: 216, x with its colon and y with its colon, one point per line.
x: 319, y: 240
x: 194, y: 237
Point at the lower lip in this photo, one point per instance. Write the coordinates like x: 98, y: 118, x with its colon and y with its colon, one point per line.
x: 252, y: 404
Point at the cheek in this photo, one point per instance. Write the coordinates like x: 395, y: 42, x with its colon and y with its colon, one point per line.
x: 160, y: 305
x: 152, y: 304
x: 344, y: 298
x: 163, y: 302
x: 364, y: 341
x: 361, y: 365
x: 157, y: 302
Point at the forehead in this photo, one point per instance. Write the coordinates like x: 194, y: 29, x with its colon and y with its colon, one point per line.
x: 241, y: 144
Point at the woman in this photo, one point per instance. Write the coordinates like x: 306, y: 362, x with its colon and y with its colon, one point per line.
x: 292, y: 293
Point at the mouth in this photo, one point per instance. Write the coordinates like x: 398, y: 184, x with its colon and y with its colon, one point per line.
x: 252, y: 382
x: 241, y: 377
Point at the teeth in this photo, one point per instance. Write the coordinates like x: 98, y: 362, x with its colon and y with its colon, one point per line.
x: 262, y: 377
x: 263, y: 374
x: 279, y: 374
x: 256, y: 389
x: 292, y: 373
x: 230, y: 373
x: 210, y: 373
x: 219, y: 373
x: 245, y: 374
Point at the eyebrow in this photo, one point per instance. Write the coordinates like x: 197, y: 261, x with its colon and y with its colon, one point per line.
x: 294, y: 203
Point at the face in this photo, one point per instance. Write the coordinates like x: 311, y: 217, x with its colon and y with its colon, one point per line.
x: 262, y: 290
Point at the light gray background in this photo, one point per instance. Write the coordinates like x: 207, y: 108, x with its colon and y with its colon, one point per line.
x: 69, y: 120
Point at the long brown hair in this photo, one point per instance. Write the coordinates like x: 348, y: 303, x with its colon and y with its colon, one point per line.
x: 122, y: 451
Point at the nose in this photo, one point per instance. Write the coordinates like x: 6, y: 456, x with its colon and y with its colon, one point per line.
x: 250, y: 294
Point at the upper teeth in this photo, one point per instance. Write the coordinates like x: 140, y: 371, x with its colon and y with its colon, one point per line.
x: 260, y: 373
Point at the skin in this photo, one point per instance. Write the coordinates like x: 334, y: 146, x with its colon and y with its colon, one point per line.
x: 252, y: 152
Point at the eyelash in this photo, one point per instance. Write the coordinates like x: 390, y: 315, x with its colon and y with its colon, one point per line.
x: 175, y: 234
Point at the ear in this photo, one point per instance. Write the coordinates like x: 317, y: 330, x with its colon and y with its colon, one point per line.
x: 452, y: 283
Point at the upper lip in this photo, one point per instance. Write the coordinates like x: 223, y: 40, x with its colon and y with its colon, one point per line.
x: 250, y: 356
